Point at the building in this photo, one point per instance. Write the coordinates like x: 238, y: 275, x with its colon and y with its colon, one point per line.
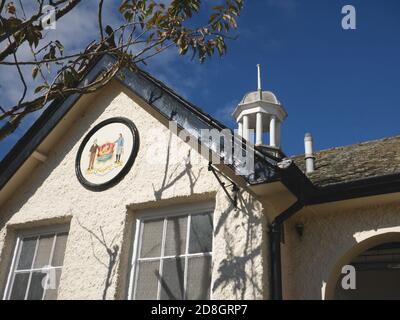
x: 101, y: 199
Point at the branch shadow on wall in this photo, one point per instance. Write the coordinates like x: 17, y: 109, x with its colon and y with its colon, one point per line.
x: 170, y: 177
x: 234, y: 270
x: 112, y: 251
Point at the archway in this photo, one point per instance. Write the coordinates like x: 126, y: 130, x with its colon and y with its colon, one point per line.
x: 377, y: 264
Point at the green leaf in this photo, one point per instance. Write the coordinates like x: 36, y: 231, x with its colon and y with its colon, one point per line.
x: 59, y: 46
x: 35, y: 71
x: 109, y: 30
x: 12, y: 23
x: 40, y: 88
x: 128, y: 16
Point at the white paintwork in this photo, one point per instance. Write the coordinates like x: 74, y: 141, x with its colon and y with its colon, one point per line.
x: 272, y: 132
x: 240, y: 128
x: 246, y: 127
x: 309, y: 156
x: 261, y: 110
x: 26, y: 234
x: 259, y: 81
x: 259, y: 128
x: 174, y: 211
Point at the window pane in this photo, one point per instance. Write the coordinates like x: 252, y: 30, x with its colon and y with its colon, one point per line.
x: 175, y: 242
x: 36, y: 286
x: 172, y: 280
x: 147, y: 281
x: 43, y: 253
x: 27, y: 253
x: 59, y: 250
x: 201, y: 229
x: 151, y: 238
x: 199, y: 278
x: 52, y: 289
x: 19, y: 286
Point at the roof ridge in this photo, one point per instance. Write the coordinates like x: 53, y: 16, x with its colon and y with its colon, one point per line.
x: 351, y: 145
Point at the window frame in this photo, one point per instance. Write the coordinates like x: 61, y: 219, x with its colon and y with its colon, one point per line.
x: 30, y: 233
x: 165, y: 213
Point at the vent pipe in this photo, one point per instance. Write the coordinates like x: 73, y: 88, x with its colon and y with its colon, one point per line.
x: 309, y: 156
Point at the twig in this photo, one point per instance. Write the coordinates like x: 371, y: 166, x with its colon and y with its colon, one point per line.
x: 101, y: 19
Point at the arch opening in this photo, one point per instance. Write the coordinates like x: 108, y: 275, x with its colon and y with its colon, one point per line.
x: 377, y: 268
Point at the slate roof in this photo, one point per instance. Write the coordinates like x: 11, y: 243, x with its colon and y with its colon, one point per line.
x: 369, y: 159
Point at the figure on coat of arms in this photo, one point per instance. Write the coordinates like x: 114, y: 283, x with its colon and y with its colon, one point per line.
x: 120, y: 148
x: 93, y: 152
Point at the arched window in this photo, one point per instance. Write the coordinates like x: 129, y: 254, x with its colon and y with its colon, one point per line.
x: 377, y: 274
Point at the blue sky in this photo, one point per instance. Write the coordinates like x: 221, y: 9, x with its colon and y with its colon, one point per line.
x: 342, y: 86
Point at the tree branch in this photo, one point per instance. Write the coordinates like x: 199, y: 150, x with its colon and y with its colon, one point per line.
x: 24, y: 24
x: 12, y: 47
x: 149, y: 27
x: 100, y: 17
x: 2, y: 3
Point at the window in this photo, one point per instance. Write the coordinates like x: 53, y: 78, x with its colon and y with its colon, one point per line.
x: 36, y: 266
x: 172, y: 256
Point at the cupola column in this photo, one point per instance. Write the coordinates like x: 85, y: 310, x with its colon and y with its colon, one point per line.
x: 246, y: 127
x: 259, y: 128
x: 240, y: 128
x: 278, y: 134
x: 272, y: 131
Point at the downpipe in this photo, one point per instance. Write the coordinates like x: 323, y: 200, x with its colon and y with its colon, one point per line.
x: 275, y: 236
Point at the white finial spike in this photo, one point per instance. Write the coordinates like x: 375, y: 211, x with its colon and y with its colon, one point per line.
x: 259, y: 80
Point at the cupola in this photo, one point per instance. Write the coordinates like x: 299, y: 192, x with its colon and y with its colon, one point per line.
x: 261, y: 111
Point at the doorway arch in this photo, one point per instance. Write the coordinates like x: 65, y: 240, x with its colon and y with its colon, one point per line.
x: 377, y: 263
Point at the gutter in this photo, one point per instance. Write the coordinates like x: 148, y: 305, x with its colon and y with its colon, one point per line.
x: 365, y: 187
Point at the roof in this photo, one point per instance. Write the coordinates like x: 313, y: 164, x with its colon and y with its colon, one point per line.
x: 369, y: 159
x: 267, y: 96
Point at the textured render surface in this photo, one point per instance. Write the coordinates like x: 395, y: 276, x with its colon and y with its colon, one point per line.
x: 240, y: 249
x: 96, y: 264
x: 312, y: 263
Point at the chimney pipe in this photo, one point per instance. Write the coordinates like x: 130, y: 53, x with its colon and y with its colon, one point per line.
x: 309, y: 156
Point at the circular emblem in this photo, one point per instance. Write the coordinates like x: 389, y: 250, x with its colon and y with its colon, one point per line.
x: 107, y: 153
